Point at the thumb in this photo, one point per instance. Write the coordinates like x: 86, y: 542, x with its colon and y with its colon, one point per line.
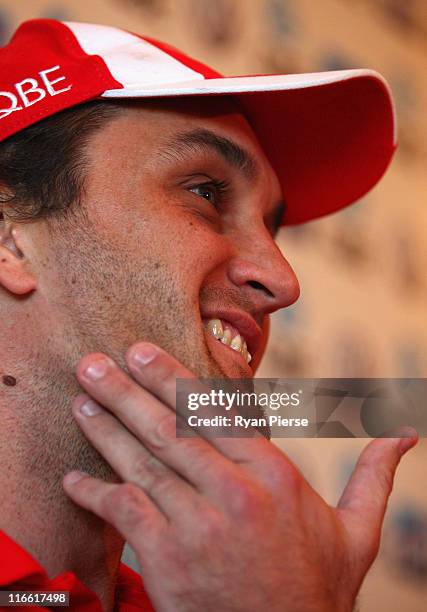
x: 364, y: 501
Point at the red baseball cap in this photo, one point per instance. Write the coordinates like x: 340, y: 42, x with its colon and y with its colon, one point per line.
x: 328, y: 135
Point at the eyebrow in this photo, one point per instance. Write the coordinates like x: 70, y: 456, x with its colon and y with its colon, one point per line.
x: 238, y: 157
x: 201, y: 139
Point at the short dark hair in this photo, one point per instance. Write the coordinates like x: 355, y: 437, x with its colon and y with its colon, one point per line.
x: 42, y: 167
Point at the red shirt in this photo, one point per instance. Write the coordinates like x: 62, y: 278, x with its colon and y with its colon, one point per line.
x: 19, y: 571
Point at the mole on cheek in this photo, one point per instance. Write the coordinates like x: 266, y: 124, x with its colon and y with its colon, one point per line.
x: 8, y: 380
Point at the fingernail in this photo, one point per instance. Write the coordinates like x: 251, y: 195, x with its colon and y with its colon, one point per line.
x: 90, y: 408
x: 409, y: 438
x: 144, y: 354
x: 74, y: 477
x: 97, y: 369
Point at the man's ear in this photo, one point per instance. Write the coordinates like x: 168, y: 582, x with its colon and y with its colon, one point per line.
x: 14, y: 273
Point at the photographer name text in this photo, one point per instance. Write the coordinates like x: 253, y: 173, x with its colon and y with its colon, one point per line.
x: 238, y: 420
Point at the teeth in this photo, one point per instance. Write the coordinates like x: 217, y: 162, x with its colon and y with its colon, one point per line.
x: 244, y: 350
x: 215, y: 327
x: 226, y: 338
x: 236, y: 343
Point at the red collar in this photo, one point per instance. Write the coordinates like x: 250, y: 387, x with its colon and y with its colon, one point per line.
x: 18, y: 569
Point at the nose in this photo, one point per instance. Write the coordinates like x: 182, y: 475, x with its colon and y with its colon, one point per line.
x: 264, y: 274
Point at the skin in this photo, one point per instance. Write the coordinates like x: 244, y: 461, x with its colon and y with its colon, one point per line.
x: 147, y: 253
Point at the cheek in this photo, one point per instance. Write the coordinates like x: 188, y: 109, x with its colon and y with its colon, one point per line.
x: 190, y: 246
x: 156, y: 226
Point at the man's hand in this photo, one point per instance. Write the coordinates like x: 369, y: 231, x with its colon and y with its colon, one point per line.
x: 226, y: 524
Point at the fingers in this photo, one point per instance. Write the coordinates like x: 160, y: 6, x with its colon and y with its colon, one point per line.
x: 153, y: 423
x: 130, y: 459
x: 145, y: 405
x: 125, y: 506
x: 157, y: 372
x: 363, y: 503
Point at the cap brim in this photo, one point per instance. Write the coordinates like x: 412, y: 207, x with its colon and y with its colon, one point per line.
x: 329, y: 135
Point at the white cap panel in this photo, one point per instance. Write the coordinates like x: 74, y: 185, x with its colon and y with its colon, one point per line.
x: 131, y: 60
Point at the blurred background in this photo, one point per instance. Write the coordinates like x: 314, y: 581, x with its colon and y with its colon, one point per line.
x: 362, y: 311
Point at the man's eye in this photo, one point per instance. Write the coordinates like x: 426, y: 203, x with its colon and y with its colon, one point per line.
x: 214, y: 192
x: 206, y: 192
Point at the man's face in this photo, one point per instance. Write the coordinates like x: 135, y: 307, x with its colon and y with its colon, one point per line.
x: 180, y: 210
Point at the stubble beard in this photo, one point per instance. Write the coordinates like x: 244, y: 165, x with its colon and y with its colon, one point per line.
x: 109, y: 304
